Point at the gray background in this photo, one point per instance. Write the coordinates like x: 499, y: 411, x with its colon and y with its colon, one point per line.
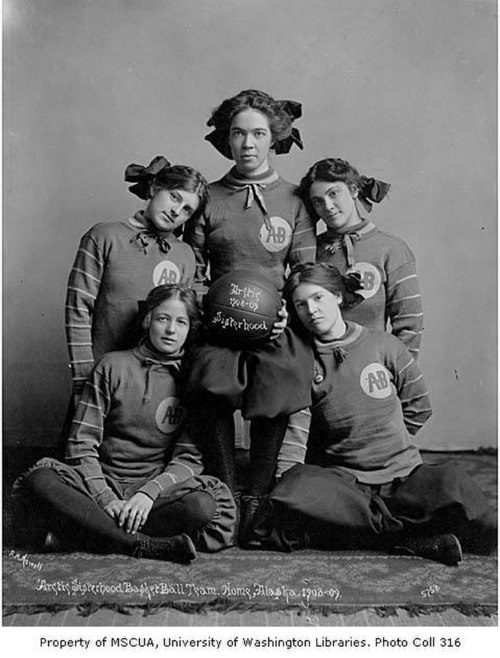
x: 404, y: 89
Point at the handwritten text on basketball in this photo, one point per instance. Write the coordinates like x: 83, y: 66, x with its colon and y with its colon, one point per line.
x: 244, y: 297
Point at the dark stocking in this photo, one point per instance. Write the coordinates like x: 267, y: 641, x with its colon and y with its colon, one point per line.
x: 72, y: 515
x: 266, y: 435
x: 215, y: 434
x: 186, y: 515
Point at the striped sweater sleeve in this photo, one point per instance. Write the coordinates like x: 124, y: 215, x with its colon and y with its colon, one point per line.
x: 303, y: 247
x: 186, y: 462
x: 190, y: 268
x: 412, y: 391
x: 195, y: 237
x: 87, y: 432
x: 83, y: 287
x: 294, y: 446
x: 404, y: 305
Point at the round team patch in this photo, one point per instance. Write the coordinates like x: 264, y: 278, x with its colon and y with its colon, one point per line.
x: 278, y: 237
x: 371, y: 277
x: 169, y: 415
x: 375, y: 380
x: 166, y: 272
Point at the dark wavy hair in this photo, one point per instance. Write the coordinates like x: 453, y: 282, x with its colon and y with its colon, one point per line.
x: 328, y: 277
x: 329, y: 170
x: 280, y: 121
x: 182, y: 177
x: 165, y: 292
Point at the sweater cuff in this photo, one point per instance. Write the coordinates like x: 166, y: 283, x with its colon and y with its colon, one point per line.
x: 105, y: 498
x: 152, y: 489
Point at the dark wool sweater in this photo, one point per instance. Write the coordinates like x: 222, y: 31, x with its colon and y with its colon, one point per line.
x: 234, y: 232
x: 387, y: 267
x: 116, y: 265
x: 129, y: 426
x: 365, y: 409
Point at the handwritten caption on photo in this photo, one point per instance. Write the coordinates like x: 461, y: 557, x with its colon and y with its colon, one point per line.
x: 76, y: 587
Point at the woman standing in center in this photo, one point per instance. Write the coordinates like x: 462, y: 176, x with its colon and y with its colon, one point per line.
x: 254, y: 220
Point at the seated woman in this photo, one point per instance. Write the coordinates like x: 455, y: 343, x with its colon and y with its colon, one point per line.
x: 364, y: 483
x: 132, y: 479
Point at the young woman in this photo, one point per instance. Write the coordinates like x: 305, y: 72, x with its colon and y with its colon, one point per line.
x: 132, y: 478
x: 364, y: 482
x: 117, y: 263
x: 254, y: 220
x: 254, y: 217
x: 334, y: 191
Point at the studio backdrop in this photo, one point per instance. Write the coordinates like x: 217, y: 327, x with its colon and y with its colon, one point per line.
x: 403, y: 89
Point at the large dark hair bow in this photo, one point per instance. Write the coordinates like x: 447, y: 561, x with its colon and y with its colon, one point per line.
x: 219, y: 136
x: 294, y: 111
x: 143, y: 177
x: 372, y: 191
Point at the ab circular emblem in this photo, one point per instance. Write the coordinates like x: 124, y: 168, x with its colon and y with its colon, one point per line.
x: 169, y: 415
x: 166, y: 272
x: 371, y: 278
x: 375, y: 380
x: 278, y: 237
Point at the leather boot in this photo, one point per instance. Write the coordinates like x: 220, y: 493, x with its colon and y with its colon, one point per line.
x: 250, y: 511
x: 178, y: 548
x: 440, y: 548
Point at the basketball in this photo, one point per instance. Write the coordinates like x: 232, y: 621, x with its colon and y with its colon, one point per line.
x: 241, y: 308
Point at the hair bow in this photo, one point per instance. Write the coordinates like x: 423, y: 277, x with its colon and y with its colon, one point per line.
x: 143, y: 177
x: 218, y: 138
x: 372, y: 191
x: 353, y: 283
x: 292, y: 108
x: 285, y: 144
